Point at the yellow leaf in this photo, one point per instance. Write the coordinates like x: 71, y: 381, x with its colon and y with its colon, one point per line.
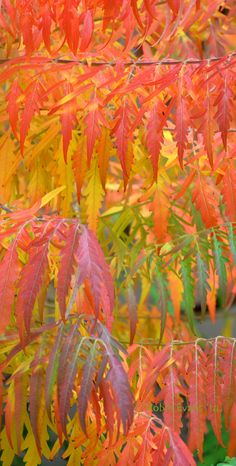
x: 49, y: 196
x: 104, y: 150
x: 24, y: 366
x: 48, y: 138
x: 93, y: 194
x: 8, y: 454
x: 66, y: 178
x: 145, y: 288
x: 75, y: 457
x: 31, y: 457
x: 166, y: 248
x: 39, y: 182
x: 9, y: 161
x: 112, y: 211
x: 55, y: 449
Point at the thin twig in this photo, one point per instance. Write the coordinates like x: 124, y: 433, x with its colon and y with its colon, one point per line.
x: 4, y: 207
x: 165, y: 61
x: 175, y: 342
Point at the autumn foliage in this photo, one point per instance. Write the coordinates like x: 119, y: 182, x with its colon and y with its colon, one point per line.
x: 118, y: 221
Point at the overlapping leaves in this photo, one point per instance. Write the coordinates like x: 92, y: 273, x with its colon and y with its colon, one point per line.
x: 79, y: 24
x: 41, y: 250
x: 78, y: 364
x: 194, y: 101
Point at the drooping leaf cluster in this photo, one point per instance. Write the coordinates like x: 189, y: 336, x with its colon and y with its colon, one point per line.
x: 78, y: 365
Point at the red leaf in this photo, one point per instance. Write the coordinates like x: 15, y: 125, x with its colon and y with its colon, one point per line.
x: 86, y: 385
x: 155, y: 125
x: 22, y: 215
x: 111, y: 9
x: 104, y: 153
x: 79, y: 164
x: 93, y: 129
x: 13, y: 105
x: 105, y: 392
x: 174, y: 5
x: 29, y: 286
x: 161, y: 212
x: 232, y: 433
x: 66, y: 353
x: 122, y: 135
x: 214, y: 391
x: 185, y: 185
x: 173, y: 401
x: 93, y: 266
x: 158, y: 456
x: 96, y: 408
x: 197, y: 401
x: 67, y: 266
x: 9, y: 273
x: 32, y: 102
x: 150, y: 8
x: 27, y: 23
x: 207, y: 128
x: 136, y: 12
x: 118, y: 380
x: 70, y: 25
x: 87, y: 31
x: 121, y: 391
x: 225, y: 107
x: 46, y: 24
x: 163, y: 82
x: 182, y: 455
x: 32, y: 276
x: 144, y: 453
x: 229, y: 383
x: 159, y: 362
x: 206, y: 199
x: 68, y: 120
x: 68, y: 368
x: 182, y: 124
x: 57, y: 420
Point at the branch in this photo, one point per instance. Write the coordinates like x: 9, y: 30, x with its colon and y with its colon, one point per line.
x: 177, y: 342
x: 86, y: 62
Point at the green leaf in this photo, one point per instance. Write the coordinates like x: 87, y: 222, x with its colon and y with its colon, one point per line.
x: 188, y: 293
x: 228, y: 461
x: 162, y: 296
x: 202, y: 284
x: 221, y: 270
x: 232, y: 241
